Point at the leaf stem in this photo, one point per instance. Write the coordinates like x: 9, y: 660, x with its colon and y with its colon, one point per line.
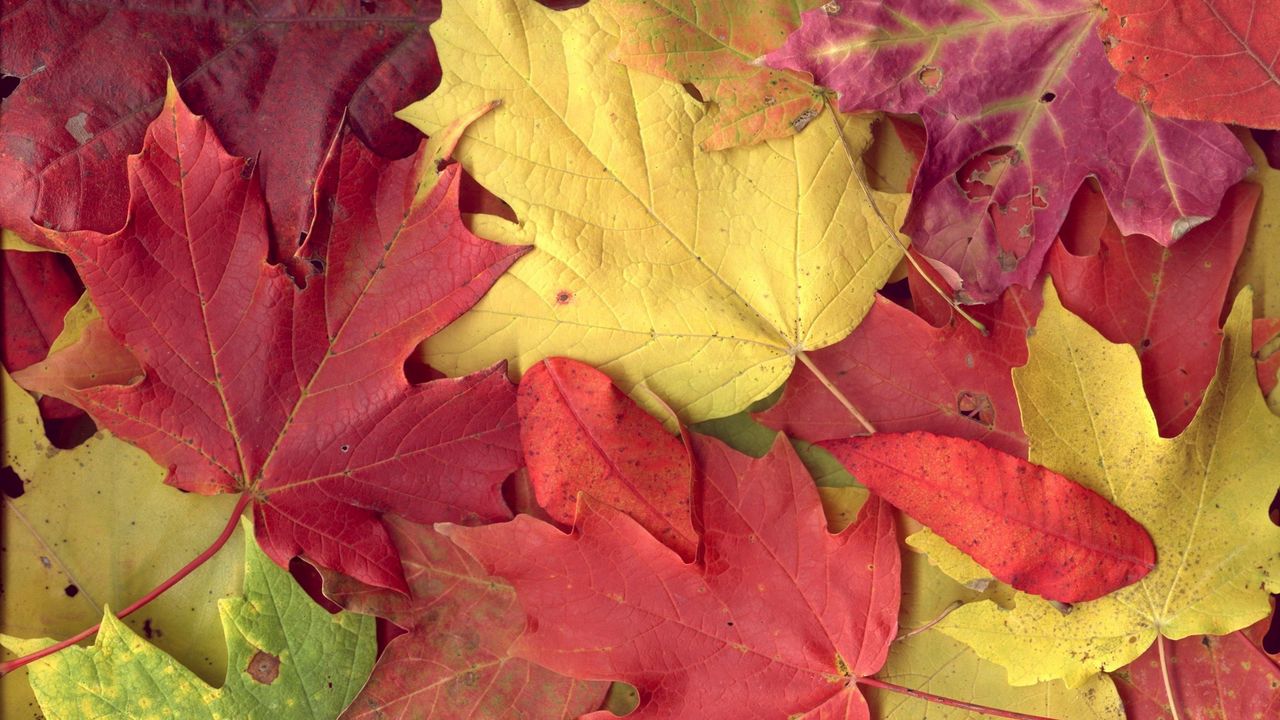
x: 835, y: 392
x: 949, y: 702
x: 1164, y: 673
x: 955, y: 605
x: 11, y: 665
x: 889, y: 229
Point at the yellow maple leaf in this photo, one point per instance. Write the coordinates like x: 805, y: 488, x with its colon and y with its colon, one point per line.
x: 703, y: 275
x: 713, y: 46
x: 1203, y: 496
x: 96, y: 525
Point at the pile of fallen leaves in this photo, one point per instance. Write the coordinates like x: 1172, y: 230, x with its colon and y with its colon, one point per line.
x: 680, y: 358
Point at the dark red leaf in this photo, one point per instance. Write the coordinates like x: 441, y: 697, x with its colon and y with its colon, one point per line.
x: 298, y: 395
x: 275, y: 78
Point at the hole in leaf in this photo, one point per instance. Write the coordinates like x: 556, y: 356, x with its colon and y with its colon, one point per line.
x: 10, y: 484
x: 345, y: 448
x: 1048, y: 97
x: 71, y: 590
x: 8, y: 83
x: 930, y: 78
x: 318, y: 265
x: 976, y: 407
x: 302, y: 238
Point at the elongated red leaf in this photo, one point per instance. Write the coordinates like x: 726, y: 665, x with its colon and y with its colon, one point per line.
x: 1198, y: 59
x: 1165, y: 302
x: 905, y: 375
x: 298, y: 395
x: 455, y: 660
x: 581, y: 434
x: 1227, y: 677
x: 275, y: 78
x: 1031, y: 527
x: 779, y: 615
x: 1020, y: 107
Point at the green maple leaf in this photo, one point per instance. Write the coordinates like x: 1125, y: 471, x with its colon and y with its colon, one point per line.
x: 286, y: 658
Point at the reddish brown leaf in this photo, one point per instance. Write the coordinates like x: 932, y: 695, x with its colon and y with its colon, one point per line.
x: 904, y: 374
x: 275, y: 78
x: 298, y: 396
x: 1198, y: 59
x: 455, y: 660
x: 1031, y: 527
x: 1165, y: 302
x: 1228, y: 677
x: 39, y: 289
x: 581, y: 434
x: 779, y: 615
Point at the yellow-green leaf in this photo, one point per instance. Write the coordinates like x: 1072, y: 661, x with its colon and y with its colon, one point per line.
x: 287, y: 658
x: 1203, y: 496
x: 96, y: 526
x: 713, y: 46
x: 700, y: 274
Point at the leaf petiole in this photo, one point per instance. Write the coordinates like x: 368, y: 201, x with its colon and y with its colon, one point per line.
x: 11, y: 665
x: 949, y: 702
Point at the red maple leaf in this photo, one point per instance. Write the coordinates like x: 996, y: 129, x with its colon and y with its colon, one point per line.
x: 778, y: 614
x: 297, y: 396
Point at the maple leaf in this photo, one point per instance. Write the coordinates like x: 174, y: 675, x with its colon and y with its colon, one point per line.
x: 904, y: 374
x: 700, y: 274
x: 455, y: 661
x: 1019, y: 104
x: 1203, y: 496
x: 779, y: 614
x: 1165, y: 302
x: 713, y: 46
x: 580, y: 433
x: 94, y: 526
x: 1033, y: 528
x: 286, y: 658
x: 1197, y: 59
x: 298, y: 396
x: 1226, y: 677
x: 276, y: 81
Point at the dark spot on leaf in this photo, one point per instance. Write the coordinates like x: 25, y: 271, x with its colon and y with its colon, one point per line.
x: 147, y: 631
x: 264, y: 667
x: 302, y: 238
x: 369, y: 6
x: 730, y: 623
x: 8, y: 83
x: 71, y: 590
x: 1204, y: 640
x: 10, y: 484
x: 693, y: 92
x: 345, y: 448
x: 803, y: 119
x: 563, y: 297
x: 1048, y: 97
x: 1146, y: 343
